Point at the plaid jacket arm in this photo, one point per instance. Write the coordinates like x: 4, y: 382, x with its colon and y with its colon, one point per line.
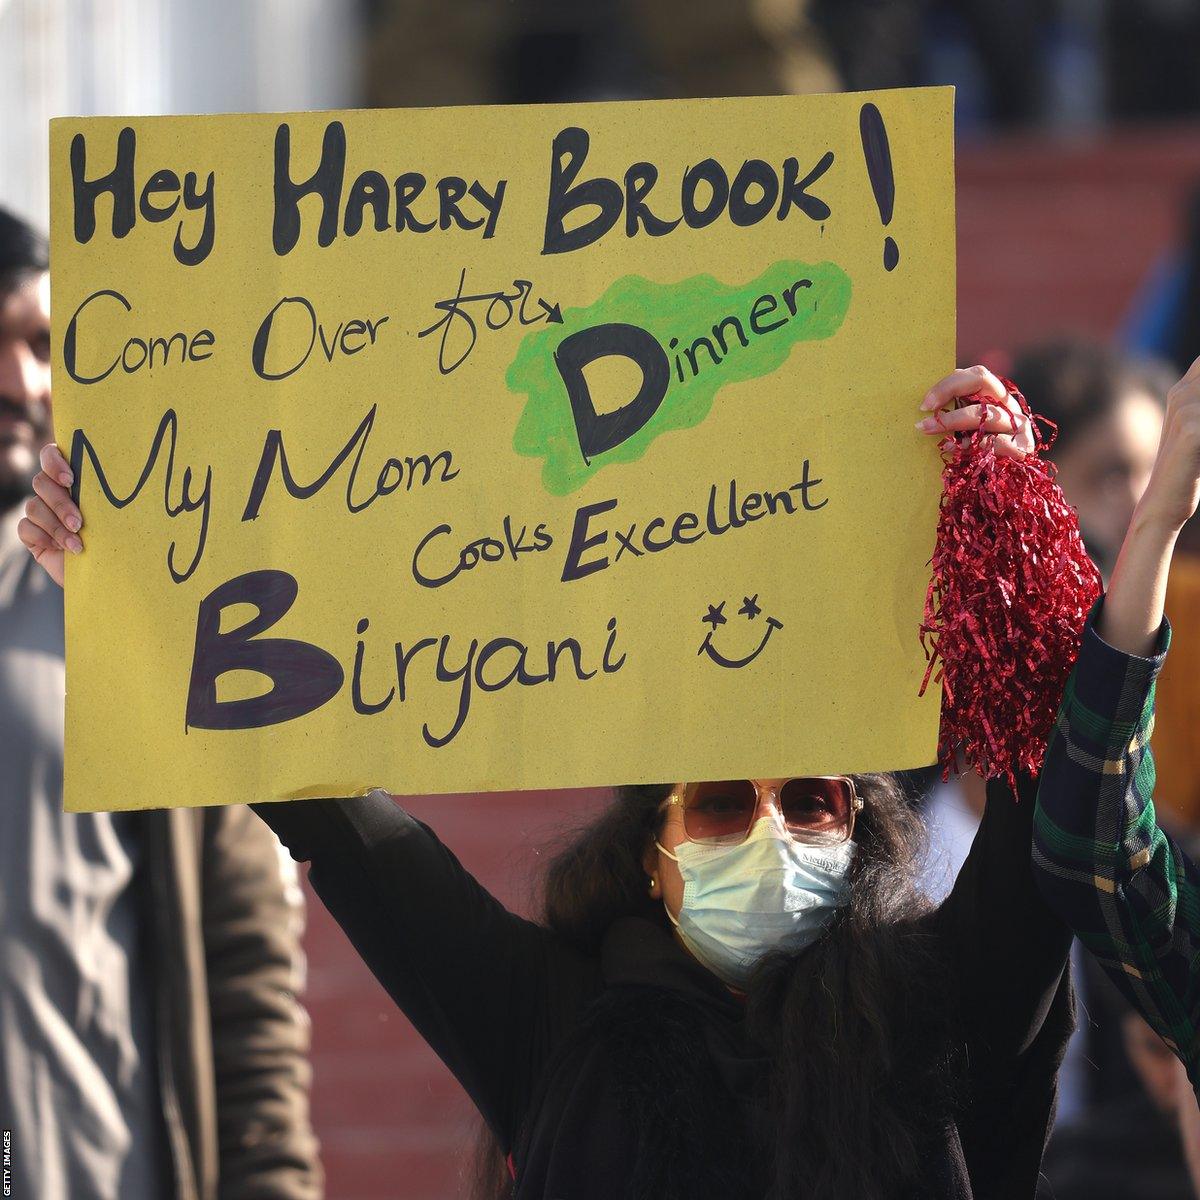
x: 1131, y: 896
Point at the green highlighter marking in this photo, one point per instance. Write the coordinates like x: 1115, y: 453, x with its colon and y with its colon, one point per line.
x: 690, y: 339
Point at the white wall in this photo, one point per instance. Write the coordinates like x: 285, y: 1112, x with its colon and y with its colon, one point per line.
x: 131, y: 57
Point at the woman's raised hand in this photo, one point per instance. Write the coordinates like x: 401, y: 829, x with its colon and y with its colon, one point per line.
x: 1010, y: 429
x: 51, y: 523
x: 1174, y: 489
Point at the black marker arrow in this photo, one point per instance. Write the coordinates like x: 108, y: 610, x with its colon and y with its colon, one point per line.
x: 553, y: 314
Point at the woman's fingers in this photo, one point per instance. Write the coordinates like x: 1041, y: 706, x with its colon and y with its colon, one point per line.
x: 42, y: 546
x: 42, y: 515
x: 966, y: 381
x: 993, y: 418
x: 1008, y: 448
x: 58, y: 499
x: 55, y: 466
x: 998, y: 413
x: 52, y: 521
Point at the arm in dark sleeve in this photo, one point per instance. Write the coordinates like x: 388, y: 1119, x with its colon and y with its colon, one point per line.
x: 1131, y: 895
x: 489, y: 991
x: 252, y: 921
x: 1009, y: 952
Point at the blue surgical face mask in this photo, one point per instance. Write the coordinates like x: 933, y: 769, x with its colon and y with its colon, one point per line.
x: 769, y: 892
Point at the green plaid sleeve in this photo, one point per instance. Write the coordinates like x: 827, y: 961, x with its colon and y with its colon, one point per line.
x: 1130, y: 894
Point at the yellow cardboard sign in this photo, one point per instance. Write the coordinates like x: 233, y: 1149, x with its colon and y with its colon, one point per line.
x: 488, y: 448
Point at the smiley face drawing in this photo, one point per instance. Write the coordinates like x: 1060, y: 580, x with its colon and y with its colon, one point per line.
x: 716, y: 617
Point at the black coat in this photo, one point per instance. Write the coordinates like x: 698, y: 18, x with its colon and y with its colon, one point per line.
x: 541, y: 1037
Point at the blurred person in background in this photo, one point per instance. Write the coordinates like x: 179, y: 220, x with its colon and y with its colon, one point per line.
x: 151, y: 1044
x: 1108, y: 407
x: 1134, y: 1143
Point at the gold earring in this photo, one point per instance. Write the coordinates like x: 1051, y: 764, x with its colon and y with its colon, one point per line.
x: 653, y: 883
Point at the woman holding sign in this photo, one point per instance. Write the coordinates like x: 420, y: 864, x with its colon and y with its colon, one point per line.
x: 737, y: 989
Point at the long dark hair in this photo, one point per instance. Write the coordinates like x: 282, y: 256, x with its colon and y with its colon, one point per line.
x: 863, y: 1073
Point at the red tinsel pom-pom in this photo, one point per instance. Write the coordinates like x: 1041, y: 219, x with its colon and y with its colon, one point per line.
x: 1010, y: 591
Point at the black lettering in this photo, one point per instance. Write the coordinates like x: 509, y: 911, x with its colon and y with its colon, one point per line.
x: 515, y: 545
x: 391, y: 476
x: 303, y: 676
x: 795, y: 191
x: 444, y: 457
x: 719, y: 333
x: 688, y: 521
x: 554, y: 651
x: 408, y: 187
x: 580, y: 542
x: 262, y: 340
x: 626, y: 542
x: 201, y: 341
x: 639, y: 179
x: 328, y: 346
x: 159, y: 182
x: 164, y: 344
x: 450, y: 191
x: 355, y: 329
x: 404, y: 657
x: 711, y: 172
x: 134, y: 344
x: 597, y: 431
x: 763, y: 306
x: 608, y: 666
x: 70, y: 339
x: 777, y: 500
x: 653, y: 546
x: 431, y: 581
x: 325, y: 181
x: 735, y: 522
x: 518, y: 672
x: 491, y: 202
x: 713, y: 524
x: 80, y: 445
x: 364, y: 707
x: 445, y: 675
x: 789, y: 294
x: 806, y: 482
x: 566, y: 196
x: 119, y: 182
x: 690, y: 354
x: 370, y: 189
x: 167, y: 183
x: 500, y: 310
x: 193, y: 201
x: 753, y: 173
x: 273, y: 448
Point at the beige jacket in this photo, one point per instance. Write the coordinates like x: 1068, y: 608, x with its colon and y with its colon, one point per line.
x: 232, y: 1040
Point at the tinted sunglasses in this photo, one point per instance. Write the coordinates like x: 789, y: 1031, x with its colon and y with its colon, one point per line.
x: 813, y: 807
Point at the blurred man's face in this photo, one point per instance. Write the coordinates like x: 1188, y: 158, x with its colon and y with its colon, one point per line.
x: 1105, y: 470
x: 24, y: 384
